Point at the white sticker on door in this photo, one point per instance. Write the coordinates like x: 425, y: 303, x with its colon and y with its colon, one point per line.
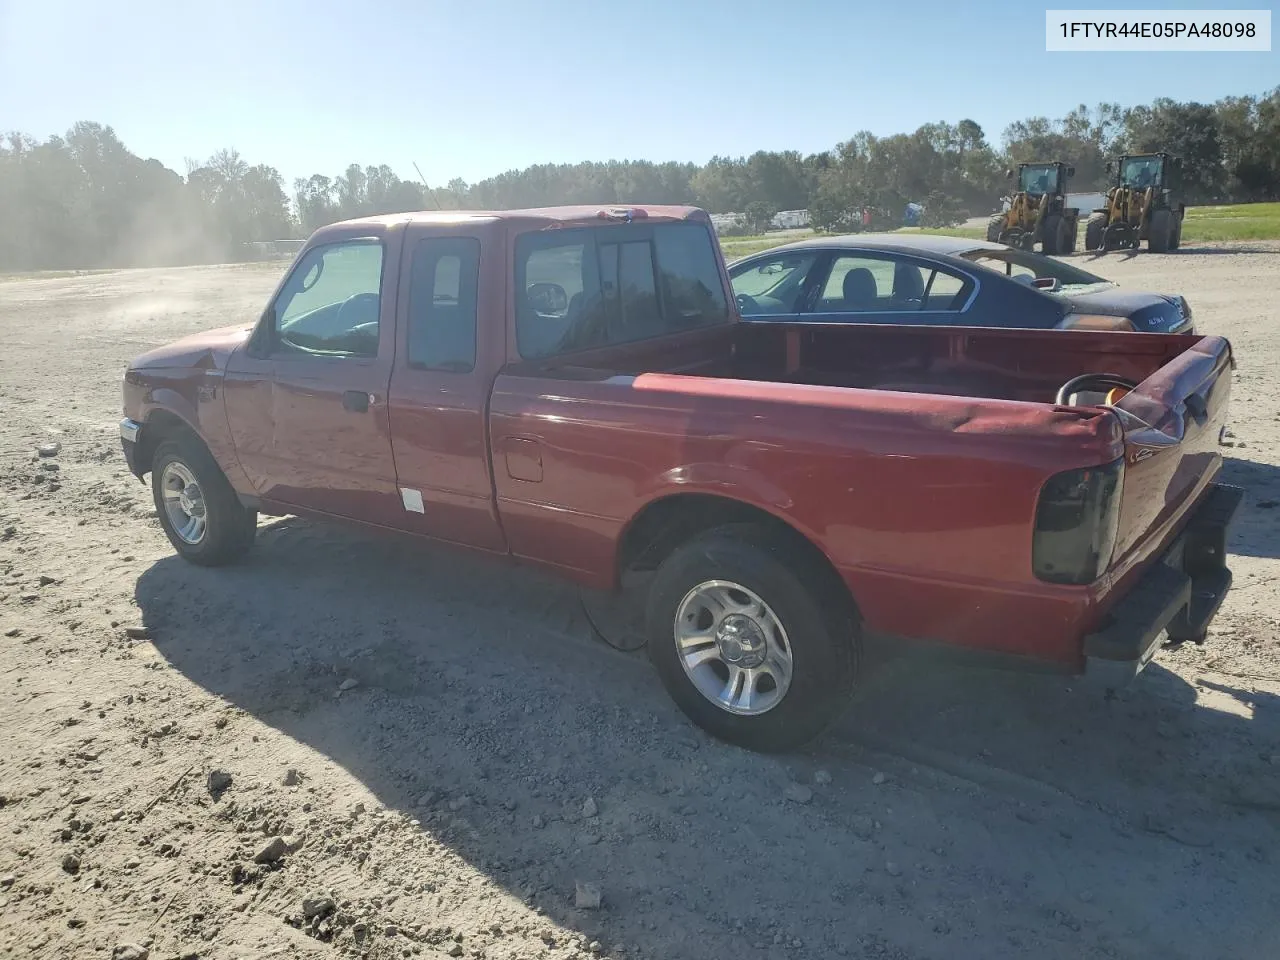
x: 412, y: 500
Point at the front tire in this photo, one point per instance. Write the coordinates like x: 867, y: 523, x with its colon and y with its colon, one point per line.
x: 752, y: 638
x: 1160, y: 232
x: 198, y: 509
x: 1094, y: 227
x: 1070, y: 232
x: 995, y: 227
x: 1051, y: 239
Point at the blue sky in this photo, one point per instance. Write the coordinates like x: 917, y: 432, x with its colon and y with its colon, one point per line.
x: 474, y: 88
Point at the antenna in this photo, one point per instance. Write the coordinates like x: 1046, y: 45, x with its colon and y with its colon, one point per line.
x: 430, y: 192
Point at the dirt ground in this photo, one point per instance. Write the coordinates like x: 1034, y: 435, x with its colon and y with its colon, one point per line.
x: 352, y: 746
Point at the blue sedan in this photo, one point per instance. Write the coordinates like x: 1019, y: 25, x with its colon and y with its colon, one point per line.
x: 949, y: 281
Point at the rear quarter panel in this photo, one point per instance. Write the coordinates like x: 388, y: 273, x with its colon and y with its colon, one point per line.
x: 923, y: 503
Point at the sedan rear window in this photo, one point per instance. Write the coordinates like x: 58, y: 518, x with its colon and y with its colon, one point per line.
x: 1033, y: 266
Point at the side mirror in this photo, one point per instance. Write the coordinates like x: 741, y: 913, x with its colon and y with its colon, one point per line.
x: 1111, y: 166
x: 1008, y: 174
x: 1071, y: 172
x: 260, y: 340
x: 310, y: 278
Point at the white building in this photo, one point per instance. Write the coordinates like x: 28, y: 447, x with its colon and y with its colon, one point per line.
x: 790, y: 219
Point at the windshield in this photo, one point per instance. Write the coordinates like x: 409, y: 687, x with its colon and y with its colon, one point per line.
x: 1025, y: 267
x: 1140, y: 172
x: 1039, y: 178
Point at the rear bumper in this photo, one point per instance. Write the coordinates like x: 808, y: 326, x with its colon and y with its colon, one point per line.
x: 1174, y: 601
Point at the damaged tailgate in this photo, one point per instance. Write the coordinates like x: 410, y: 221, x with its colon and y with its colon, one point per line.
x: 1168, y: 572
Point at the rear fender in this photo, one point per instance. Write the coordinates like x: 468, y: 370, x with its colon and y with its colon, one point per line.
x: 724, y: 480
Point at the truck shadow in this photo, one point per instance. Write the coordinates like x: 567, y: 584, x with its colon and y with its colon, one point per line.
x: 484, y: 710
x: 1256, y: 531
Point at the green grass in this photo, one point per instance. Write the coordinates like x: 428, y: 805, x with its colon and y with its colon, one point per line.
x: 1241, y: 221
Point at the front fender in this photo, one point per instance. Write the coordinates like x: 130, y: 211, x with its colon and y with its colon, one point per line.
x: 162, y: 401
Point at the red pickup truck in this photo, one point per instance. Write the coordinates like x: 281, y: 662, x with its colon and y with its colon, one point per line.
x: 571, y: 388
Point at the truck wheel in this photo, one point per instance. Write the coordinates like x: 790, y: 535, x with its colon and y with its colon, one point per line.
x: 199, y: 511
x: 1176, y: 242
x: 749, y: 640
x: 1052, y: 235
x: 1093, y: 230
x: 1160, y: 232
x: 1070, y: 231
x: 995, y: 227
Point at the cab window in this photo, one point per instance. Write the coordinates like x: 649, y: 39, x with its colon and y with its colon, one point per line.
x: 443, y: 291
x: 592, y: 287
x: 331, y: 302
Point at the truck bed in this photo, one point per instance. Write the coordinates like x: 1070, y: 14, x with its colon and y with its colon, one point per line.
x: 926, y: 475
x: 994, y: 364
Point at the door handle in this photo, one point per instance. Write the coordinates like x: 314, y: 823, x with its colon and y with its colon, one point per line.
x: 356, y: 401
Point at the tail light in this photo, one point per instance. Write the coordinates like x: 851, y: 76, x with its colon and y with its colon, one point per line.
x: 1077, y: 521
x: 1095, y: 321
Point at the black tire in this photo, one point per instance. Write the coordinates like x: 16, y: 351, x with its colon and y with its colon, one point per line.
x: 1176, y: 242
x: 995, y: 227
x: 1070, y: 232
x: 803, y: 595
x: 229, y: 526
x: 1094, y: 227
x: 1160, y: 231
x: 1051, y: 235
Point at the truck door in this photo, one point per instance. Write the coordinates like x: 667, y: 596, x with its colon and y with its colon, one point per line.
x: 328, y: 359
x: 439, y: 392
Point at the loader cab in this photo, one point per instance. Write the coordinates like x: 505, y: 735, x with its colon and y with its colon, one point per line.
x: 1043, y: 179
x: 1141, y: 171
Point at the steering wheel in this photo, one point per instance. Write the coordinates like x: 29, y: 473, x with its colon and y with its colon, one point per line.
x: 1100, y: 379
x: 747, y: 303
x: 356, y: 306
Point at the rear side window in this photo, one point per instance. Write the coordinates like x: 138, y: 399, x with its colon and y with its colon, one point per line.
x: 691, y: 283
x: 885, y: 284
x: 592, y: 287
x: 442, y: 304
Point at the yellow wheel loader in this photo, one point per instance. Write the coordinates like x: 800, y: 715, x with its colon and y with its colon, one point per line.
x: 1038, y: 212
x: 1143, y: 204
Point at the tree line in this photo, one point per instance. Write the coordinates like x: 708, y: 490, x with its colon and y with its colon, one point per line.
x: 84, y: 200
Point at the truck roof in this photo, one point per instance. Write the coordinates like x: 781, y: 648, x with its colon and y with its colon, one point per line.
x: 586, y: 214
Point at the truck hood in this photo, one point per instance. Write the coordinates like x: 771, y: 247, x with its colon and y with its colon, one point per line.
x: 209, y: 350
